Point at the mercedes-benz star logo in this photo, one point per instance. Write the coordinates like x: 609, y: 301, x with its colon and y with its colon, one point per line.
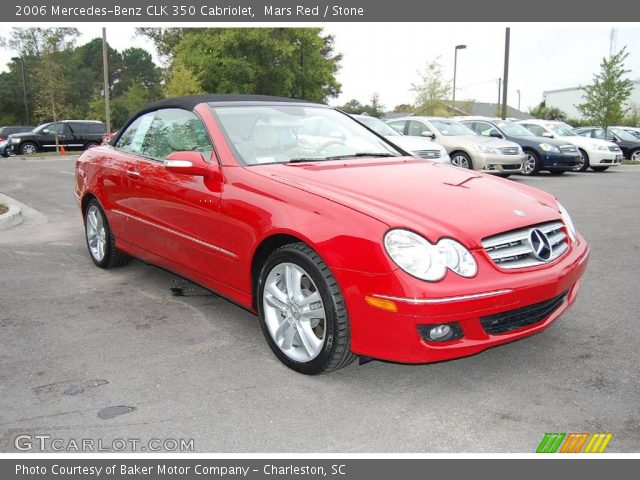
x: 540, y: 245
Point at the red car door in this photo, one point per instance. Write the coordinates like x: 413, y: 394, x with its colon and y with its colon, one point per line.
x: 174, y: 215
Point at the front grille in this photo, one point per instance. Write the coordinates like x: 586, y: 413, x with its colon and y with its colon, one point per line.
x: 520, y: 317
x: 614, y: 149
x: 510, y: 150
x: 429, y: 154
x: 513, y: 249
x: 515, y: 166
x: 569, y: 149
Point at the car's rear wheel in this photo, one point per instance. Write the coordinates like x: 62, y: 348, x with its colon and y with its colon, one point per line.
x: 599, y: 169
x: 583, y: 163
x: 302, y: 312
x: 28, y: 148
x: 531, y: 164
x: 461, y: 159
x: 100, y: 241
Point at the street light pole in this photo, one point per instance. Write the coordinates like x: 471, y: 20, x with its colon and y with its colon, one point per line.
x: 105, y: 67
x: 455, y: 68
x: 506, y: 72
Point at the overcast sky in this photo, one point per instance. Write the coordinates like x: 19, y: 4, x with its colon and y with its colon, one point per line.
x: 384, y: 58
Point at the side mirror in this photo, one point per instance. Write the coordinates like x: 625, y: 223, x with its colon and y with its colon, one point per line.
x: 188, y: 163
x: 46, y: 131
x: 495, y: 134
x: 427, y: 134
x: 547, y: 134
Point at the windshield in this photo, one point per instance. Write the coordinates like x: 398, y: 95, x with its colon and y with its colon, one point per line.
x: 563, y: 130
x: 624, y: 135
x: 514, y: 130
x: 449, y: 128
x: 378, y: 126
x: 262, y: 134
x: 41, y: 127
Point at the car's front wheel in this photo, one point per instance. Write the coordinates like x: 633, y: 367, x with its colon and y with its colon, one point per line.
x: 100, y: 241
x: 28, y: 148
x: 531, y: 165
x: 302, y: 312
x: 461, y: 159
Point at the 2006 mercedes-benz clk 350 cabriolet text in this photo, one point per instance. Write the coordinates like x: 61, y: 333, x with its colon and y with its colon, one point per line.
x: 343, y: 244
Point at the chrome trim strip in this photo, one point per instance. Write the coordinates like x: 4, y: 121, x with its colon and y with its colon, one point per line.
x: 182, y: 235
x: 422, y: 301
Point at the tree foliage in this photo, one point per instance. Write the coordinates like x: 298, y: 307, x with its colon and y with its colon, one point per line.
x: 605, y: 99
x: 547, y: 113
x: 432, y: 91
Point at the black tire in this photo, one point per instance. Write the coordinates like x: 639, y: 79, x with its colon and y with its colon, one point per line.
x: 89, y: 145
x: 112, y: 256
x: 336, y: 350
x: 634, y: 153
x: 583, y: 167
x: 531, y: 157
x: 599, y: 169
x: 464, y: 157
x: 25, y: 148
x: 556, y: 172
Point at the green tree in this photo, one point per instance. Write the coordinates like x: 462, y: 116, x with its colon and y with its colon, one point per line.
x: 374, y: 109
x: 605, y: 99
x: 125, y: 105
x: 291, y: 62
x: 432, y: 91
x: 36, y: 41
x: 547, y: 113
x: 182, y: 81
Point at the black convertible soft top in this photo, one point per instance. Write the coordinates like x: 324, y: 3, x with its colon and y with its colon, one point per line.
x: 190, y: 102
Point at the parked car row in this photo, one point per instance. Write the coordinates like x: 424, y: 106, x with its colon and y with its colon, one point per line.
x: 70, y: 134
x: 504, y: 147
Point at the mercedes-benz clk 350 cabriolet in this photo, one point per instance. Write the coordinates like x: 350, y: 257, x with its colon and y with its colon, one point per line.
x: 343, y: 244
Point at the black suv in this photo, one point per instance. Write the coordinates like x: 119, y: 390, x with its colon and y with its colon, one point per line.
x: 5, y: 146
x: 541, y: 153
x: 72, y: 135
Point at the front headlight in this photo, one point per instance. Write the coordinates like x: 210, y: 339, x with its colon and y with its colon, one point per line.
x: 416, y: 256
x: 549, y: 148
x: 15, y: 140
x: 566, y: 218
x: 600, y: 147
x: 485, y: 149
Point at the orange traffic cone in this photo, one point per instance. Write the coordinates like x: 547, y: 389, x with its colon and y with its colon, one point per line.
x: 62, y: 150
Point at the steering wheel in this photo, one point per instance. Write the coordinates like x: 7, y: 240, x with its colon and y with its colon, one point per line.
x: 326, y: 145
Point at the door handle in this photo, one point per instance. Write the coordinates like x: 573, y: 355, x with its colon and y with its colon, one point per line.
x: 133, y: 173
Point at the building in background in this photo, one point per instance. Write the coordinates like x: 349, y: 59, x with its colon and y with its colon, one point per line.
x: 566, y: 99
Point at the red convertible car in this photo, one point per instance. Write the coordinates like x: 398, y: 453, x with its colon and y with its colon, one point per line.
x: 342, y: 243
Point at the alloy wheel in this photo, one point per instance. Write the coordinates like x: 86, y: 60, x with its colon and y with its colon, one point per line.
x: 529, y: 165
x: 28, y: 149
x: 460, y: 161
x: 580, y: 165
x: 96, y: 233
x: 294, y: 312
x: 635, y: 156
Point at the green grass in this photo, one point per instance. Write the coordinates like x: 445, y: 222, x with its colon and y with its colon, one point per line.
x: 47, y: 154
x: 3, y: 208
x: 630, y: 162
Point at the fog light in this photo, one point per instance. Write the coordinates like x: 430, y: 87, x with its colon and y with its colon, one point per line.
x: 440, y: 333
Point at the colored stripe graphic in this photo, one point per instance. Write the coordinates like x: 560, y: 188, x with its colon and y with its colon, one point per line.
x: 574, y: 442
x: 598, y: 442
x: 550, y: 442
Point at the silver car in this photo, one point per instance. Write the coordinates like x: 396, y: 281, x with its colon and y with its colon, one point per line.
x: 466, y: 148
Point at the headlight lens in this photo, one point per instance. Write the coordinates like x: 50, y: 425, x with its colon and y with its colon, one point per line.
x: 416, y: 256
x: 549, y: 148
x: 485, y: 149
x: 15, y: 140
x: 566, y: 218
x: 600, y: 147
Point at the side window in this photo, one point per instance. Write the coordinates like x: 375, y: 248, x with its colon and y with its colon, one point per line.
x: 78, y: 128
x: 96, y: 128
x: 417, y: 128
x: 486, y: 129
x: 175, y: 130
x: 132, y: 138
x: 58, y: 129
x: 398, y: 125
x: 535, y: 129
x: 586, y: 133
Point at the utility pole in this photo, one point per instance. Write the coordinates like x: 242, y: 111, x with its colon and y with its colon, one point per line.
x: 507, y: 39
x: 24, y: 90
x: 105, y: 66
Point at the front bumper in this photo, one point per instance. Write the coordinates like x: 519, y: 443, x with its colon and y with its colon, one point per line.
x: 602, y: 158
x: 395, y: 336
x: 490, y: 163
x: 560, y: 161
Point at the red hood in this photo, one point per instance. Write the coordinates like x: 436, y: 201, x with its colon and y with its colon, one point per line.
x: 433, y: 199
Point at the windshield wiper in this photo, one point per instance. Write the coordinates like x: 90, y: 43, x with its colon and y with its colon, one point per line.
x: 340, y: 157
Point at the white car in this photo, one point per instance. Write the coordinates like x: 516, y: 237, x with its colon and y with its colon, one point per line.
x: 595, y: 153
x: 420, y: 147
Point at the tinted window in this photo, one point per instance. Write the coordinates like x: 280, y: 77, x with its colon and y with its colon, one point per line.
x: 175, y: 130
x: 535, y: 129
x: 78, y: 128
x: 96, y: 128
x: 58, y: 129
x: 485, y: 129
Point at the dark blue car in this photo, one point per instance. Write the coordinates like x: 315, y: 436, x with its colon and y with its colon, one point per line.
x: 541, y: 153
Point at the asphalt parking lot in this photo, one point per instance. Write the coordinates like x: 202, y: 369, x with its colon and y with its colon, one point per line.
x: 194, y: 366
